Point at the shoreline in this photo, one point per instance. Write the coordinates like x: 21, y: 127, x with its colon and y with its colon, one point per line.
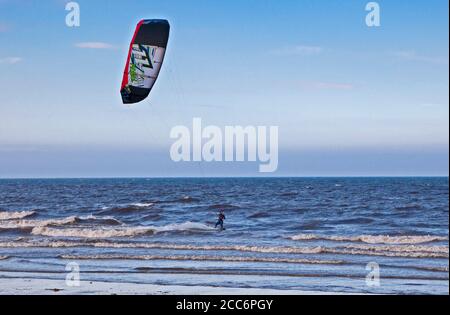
x: 32, y: 286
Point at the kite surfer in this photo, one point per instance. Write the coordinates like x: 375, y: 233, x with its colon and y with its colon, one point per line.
x: 220, y: 220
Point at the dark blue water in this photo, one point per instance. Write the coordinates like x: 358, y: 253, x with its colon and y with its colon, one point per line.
x: 284, y: 233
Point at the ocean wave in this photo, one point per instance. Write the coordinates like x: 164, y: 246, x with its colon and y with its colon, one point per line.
x: 107, y: 220
x: 184, y: 199
x: 29, y: 224
x: 400, y: 248
x: 5, y: 215
x: 373, y: 239
x: 143, y: 204
x: 311, y: 225
x: 105, y: 232
x: 187, y: 199
x: 266, y: 273
x: 91, y: 233
x: 186, y: 226
x: 203, y: 258
x: 412, y: 206
x: 224, y: 206
x: 437, y: 269
x: 151, y: 217
x: 289, y: 194
x: 405, y: 254
x: 258, y: 215
x: 354, y: 221
x: 132, y: 207
x: 104, y: 244
x: 411, y: 251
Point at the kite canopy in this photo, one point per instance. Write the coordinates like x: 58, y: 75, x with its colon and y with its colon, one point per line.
x: 145, y: 58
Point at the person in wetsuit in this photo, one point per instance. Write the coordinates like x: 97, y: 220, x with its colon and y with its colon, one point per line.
x: 220, y: 220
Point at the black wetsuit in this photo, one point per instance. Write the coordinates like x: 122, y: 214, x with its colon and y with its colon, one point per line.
x: 220, y: 220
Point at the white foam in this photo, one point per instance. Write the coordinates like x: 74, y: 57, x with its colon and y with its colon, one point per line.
x: 400, y: 248
x: 104, y: 244
x: 242, y: 248
x: 186, y: 226
x: 104, y: 232
x: 411, y: 251
x: 142, y: 204
x: 406, y: 254
x: 373, y: 239
x: 5, y: 215
x: 204, y: 258
x: 408, y: 239
x: 102, y: 218
x: 23, y: 224
x: 90, y: 233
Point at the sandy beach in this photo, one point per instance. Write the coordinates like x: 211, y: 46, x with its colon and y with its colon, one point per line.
x: 27, y: 286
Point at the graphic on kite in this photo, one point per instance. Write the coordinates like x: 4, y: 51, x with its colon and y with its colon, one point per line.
x: 145, y: 58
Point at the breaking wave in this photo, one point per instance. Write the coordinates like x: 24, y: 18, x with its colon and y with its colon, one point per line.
x: 104, y: 232
x: 373, y: 239
x: 107, y: 220
x: 204, y: 258
x: 408, y: 251
x: 5, y: 215
x: 143, y: 204
x: 91, y: 233
x: 399, y: 251
x: 31, y: 224
x: 187, y: 199
x: 127, y: 208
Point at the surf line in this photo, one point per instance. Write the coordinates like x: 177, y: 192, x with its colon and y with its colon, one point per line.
x: 233, y: 144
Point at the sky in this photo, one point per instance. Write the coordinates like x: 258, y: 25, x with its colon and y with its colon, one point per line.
x: 349, y: 100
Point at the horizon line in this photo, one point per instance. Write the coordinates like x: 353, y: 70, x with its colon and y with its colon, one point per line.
x: 228, y: 177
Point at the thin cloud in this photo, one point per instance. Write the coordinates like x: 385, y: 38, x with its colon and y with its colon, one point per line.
x: 94, y: 45
x: 10, y: 60
x: 298, y: 51
x: 411, y: 55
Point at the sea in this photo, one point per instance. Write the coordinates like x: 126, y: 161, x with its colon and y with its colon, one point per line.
x: 342, y: 235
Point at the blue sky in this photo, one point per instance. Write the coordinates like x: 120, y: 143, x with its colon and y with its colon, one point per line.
x: 348, y: 99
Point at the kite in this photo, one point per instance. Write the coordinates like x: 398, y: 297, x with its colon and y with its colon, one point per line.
x: 144, y: 61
